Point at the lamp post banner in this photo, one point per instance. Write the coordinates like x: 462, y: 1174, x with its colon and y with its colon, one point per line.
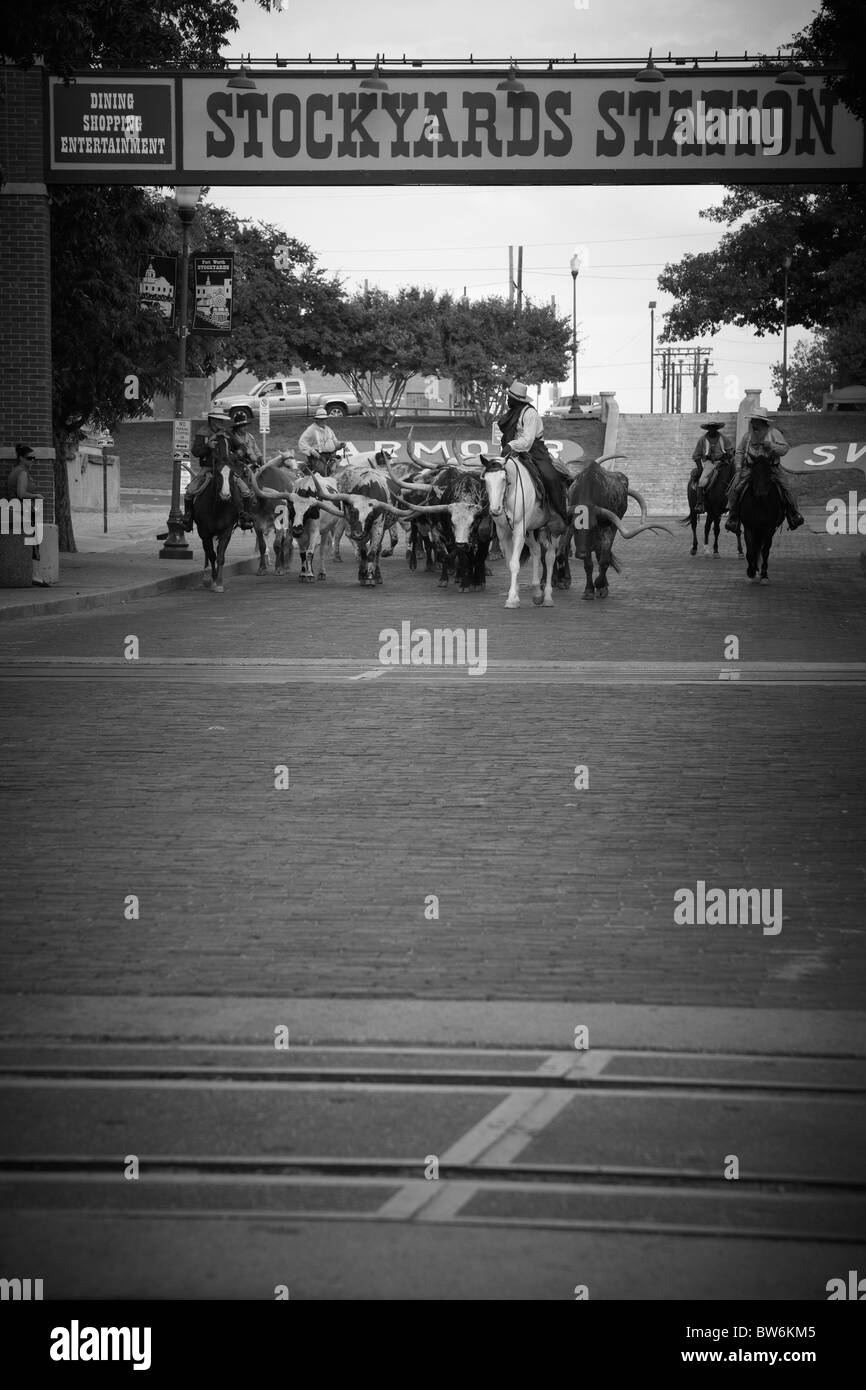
x: 213, y: 276
x: 593, y: 127
x: 157, y: 285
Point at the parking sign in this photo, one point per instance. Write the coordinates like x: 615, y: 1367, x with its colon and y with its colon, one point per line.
x: 182, y: 436
x: 264, y: 416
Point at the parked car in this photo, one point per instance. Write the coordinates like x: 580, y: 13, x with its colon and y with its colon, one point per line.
x: 591, y: 411
x: 288, y: 395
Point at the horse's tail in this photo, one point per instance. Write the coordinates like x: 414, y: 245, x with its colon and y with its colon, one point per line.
x: 615, y: 564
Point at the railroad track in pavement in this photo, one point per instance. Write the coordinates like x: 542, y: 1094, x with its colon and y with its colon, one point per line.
x: 611, y: 1140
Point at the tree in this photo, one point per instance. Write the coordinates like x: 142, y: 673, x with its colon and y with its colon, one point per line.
x: 280, y: 314
x: 811, y: 370
x: 836, y: 37
x: 741, y: 282
x: 489, y: 344
x: 98, y: 336
x: 381, y: 341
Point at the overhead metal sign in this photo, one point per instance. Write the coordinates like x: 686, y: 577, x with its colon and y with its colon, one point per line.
x: 594, y: 127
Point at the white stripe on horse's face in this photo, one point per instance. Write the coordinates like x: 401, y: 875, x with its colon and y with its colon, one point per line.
x: 495, y: 481
x: 225, y: 486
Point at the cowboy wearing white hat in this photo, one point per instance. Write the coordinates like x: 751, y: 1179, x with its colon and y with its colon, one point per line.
x: 760, y: 441
x: 319, y: 444
x: 523, y: 433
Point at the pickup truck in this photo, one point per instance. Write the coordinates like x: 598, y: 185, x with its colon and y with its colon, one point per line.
x: 288, y: 395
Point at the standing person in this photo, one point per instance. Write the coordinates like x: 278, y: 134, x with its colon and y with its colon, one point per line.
x: 713, y: 449
x: 760, y: 441
x: 523, y: 433
x: 244, y: 442
x: 21, y: 483
x: 318, y: 444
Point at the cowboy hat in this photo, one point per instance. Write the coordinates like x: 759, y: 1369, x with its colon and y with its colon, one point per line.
x: 713, y: 425
x: 519, y: 390
x: 758, y: 420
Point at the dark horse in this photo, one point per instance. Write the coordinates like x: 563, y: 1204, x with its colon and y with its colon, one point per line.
x: 215, y: 513
x: 762, y: 512
x: 716, y: 504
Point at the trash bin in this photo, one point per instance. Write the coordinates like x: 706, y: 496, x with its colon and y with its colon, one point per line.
x: 16, y: 562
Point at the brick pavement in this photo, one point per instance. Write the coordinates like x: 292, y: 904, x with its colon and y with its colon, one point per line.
x: 465, y: 791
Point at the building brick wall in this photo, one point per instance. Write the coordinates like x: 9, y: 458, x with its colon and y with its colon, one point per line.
x: 25, y: 276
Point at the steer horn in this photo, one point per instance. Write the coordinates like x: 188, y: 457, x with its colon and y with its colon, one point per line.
x: 267, y: 494
x: 628, y: 535
x: 633, y: 492
x: 403, y: 485
x: 606, y: 458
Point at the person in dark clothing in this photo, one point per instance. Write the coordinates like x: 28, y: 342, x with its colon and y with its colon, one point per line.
x: 523, y: 433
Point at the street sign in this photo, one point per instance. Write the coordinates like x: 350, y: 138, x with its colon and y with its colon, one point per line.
x: 182, y: 437
x: 264, y: 416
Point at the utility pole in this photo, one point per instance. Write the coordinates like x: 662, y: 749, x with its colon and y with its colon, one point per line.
x: 511, y: 277
x: 520, y: 279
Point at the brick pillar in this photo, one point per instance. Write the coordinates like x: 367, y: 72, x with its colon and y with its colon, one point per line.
x: 25, y: 271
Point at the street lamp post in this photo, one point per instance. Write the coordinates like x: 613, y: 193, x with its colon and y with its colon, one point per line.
x: 652, y: 309
x: 176, y: 546
x: 783, y: 399
x: 575, y: 269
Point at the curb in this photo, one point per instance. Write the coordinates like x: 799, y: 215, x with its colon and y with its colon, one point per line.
x: 109, y: 598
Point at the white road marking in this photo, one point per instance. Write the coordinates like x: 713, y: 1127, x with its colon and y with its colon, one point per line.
x: 370, y: 675
x: 497, y: 1138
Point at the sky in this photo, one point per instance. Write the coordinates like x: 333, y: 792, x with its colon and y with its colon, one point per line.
x: 456, y: 237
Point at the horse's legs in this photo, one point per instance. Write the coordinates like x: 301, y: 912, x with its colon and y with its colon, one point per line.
x: 535, y: 555
x: 751, y: 553
x: 589, y: 590
x: 765, y: 555
x: 716, y: 523
x: 209, y: 559
x: 739, y: 540
x: 222, y: 547
x: 549, y: 562
x: 516, y: 550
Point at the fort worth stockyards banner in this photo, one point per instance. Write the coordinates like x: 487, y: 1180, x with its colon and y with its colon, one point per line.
x: 213, y: 277
x: 448, y: 127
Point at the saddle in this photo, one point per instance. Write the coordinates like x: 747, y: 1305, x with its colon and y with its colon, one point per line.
x: 537, y: 481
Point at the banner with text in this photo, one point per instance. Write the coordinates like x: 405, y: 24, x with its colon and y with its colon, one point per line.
x: 807, y: 458
x: 213, y: 276
x: 456, y: 127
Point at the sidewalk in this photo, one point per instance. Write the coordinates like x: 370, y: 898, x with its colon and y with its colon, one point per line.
x: 122, y: 565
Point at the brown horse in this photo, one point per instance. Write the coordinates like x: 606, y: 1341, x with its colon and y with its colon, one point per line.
x: 715, y: 499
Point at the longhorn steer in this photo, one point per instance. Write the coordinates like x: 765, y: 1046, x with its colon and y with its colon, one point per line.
x: 597, y: 500
x: 463, y: 529
x: 363, y: 497
x: 270, y: 484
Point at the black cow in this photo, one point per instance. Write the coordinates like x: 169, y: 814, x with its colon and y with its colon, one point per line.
x: 597, y: 500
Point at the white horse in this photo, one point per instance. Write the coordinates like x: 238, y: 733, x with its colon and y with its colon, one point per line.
x: 520, y: 520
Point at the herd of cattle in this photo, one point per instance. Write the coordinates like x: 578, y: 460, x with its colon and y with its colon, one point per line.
x: 452, y: 513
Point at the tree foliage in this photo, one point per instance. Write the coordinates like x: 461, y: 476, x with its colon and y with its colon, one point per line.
x: 70, y: 34
x: 379, y: 341
x: 741, y: 282
x: 489, y: 344
x: 98, y: 334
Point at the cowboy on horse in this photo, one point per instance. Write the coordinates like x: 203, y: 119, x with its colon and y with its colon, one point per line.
x: 709, y: 452
x: 761, y: 442
x: 214, y: 452
x: 523, y: 433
